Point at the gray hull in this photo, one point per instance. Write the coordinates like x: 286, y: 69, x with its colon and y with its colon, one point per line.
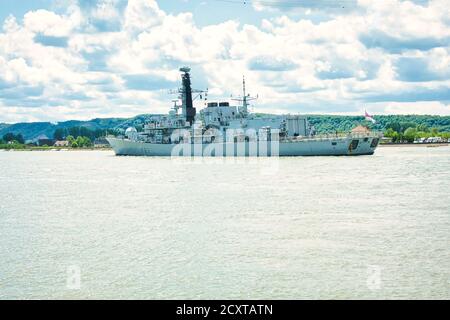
x: 347, y: 146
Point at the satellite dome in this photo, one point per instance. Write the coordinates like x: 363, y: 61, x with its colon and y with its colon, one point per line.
x: 130, y: 130
x: 131, y: 133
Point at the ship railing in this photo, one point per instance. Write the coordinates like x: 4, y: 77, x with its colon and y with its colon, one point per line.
x: 336, y: 136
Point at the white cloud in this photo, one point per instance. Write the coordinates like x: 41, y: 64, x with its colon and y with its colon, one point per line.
x: 117, y: 58
x: 50, y: 23
x: 433, y: 107
x: 141, y: 15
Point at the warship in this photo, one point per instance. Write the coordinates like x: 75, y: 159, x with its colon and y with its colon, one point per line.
x: 221, y: 129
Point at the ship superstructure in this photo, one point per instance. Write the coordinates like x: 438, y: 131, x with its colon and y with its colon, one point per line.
x: 223, y: 129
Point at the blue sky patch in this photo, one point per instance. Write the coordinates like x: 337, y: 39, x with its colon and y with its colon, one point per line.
x: 51, y: 41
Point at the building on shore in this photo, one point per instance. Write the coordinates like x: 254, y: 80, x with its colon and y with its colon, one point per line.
x: 45, y: 142
x: 386, y: 140
x: 101, y: 143
x: 61, y: 143
x: 431, y: 140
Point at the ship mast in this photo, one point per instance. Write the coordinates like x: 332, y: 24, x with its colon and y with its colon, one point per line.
x: 186, y: 96
x: 244, y: 99
x: 186, y: 91
x: 244, y: 102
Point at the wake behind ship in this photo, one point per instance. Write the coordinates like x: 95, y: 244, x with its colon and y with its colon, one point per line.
x: 221, y: 129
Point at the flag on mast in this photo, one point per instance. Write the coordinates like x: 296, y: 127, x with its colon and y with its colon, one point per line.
x: 368, y: 117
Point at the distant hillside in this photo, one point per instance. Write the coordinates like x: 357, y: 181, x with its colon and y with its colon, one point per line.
x: 328, y: 123
x: 332, y: 123
x: 3, y: 126
x: 31, y: 131
x: 322, y: 123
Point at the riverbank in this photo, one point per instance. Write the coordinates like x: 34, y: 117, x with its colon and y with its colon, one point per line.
x: 55, y: 149
x: 444, y: 144
x: 430, y: 145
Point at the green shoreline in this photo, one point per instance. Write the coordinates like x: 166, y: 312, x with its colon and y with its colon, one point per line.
x: 55, y: 149
x: 445, y: 144
x: 442, y: 144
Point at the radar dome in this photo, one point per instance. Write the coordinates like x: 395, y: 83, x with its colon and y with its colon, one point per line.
x: 131, y: 133
x: 130, y: 130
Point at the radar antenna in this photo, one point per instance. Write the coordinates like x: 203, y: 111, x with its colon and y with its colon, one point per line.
x: 175, y: 106
x: 245, y: 98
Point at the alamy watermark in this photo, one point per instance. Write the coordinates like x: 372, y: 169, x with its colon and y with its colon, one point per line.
x: 373, y: 280
x: 231, y: 143
x: 233, y: 146
x: 73, y: 280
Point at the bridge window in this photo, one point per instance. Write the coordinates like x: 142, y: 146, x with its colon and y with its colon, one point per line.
x: 354, y: 144
x: 374, y: 142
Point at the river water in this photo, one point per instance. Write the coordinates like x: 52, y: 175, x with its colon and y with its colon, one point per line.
x: 87, y: 224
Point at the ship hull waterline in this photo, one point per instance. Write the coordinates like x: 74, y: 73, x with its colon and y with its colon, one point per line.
x: 308, y: 147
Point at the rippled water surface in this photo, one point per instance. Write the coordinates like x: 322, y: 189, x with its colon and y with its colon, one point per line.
x: 312, y: 227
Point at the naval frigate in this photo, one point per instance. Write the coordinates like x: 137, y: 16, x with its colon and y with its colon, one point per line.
x: 223, y: 129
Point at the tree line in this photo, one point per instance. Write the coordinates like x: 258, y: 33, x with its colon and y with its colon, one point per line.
x: 80, y: 137
x: 80, y: 131
x: 408, y: 132
x: 399, y: 123
x: 12, y: 138
x: 12, y: 141
x: 79, y: 142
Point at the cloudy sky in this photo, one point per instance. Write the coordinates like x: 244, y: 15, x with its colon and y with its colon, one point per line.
x: 81, y: 59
